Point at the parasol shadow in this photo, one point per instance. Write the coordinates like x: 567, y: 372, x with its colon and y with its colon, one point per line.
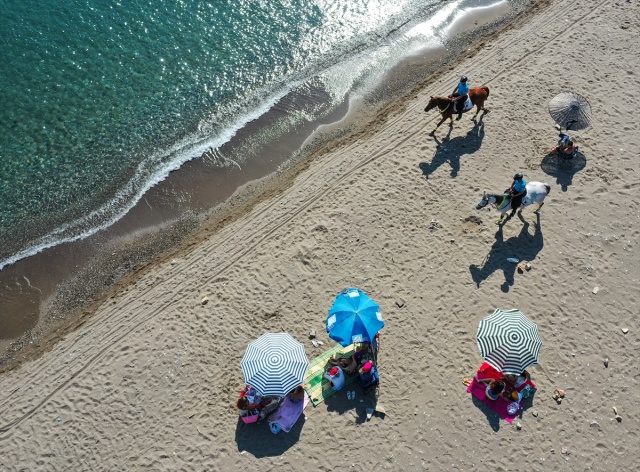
x: 258, y: 440
x: 493, y: 418
x: 563, y: 169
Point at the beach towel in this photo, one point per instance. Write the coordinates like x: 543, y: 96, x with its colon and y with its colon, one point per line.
x: 317, y: 387
x: 487, y: 371
x: 478, y: 390
x: 288, y: 413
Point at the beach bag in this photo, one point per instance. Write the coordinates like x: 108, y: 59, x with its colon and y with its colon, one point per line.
x: 250, y: 418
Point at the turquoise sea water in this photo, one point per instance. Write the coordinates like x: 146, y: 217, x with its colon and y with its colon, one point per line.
x: 102, y: 99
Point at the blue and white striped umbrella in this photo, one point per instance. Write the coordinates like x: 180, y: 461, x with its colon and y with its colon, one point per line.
x: 274, y: 364
x: 509, y: 341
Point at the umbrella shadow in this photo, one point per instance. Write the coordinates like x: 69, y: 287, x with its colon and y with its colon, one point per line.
x: 563, y: 169
x: 451, y: 150
x: 524, y: 246
x: 257, y: 438
x: 493, y: 418
x: 339, y: 403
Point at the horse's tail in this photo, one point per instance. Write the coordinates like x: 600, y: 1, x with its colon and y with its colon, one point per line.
x: 547, y: 187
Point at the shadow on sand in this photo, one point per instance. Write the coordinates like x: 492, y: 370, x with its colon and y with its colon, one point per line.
x: 563, y: 169
x: 493, y: 418
x: 257, y: 438
x: 451, y: 150
x: 339, y: 403
x: 524, y: 246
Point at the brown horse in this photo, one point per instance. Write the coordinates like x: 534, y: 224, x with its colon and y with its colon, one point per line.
x: 445, y: 104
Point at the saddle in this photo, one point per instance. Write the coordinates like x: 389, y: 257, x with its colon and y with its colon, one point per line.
x: 467, y: 105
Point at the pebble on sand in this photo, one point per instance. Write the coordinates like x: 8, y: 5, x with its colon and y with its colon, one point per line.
x: 595, y: 290
x: 625, y: 330
x: 400, y: 302
x: 204, y: 301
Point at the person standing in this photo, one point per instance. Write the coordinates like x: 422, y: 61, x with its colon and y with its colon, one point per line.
x: 461, y: 93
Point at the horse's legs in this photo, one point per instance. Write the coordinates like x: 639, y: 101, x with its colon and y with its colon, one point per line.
x: 444, y: 117
x: 477, y: 111
x: 538, y: 210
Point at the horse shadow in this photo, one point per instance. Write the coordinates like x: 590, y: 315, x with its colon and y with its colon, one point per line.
x: 258, y: 439
x: 524, y: 246
x: 563, y: 169
x: 451, y: 150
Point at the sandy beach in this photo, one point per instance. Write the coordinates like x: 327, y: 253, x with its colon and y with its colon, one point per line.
x: 151, y: 379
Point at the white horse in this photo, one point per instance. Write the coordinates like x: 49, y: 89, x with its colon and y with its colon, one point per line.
x: 536, y: 192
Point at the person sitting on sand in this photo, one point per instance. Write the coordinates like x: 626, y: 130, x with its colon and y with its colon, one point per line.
x: 517, y: 380
x: 251, y: 396
x: 297, y: 394
x: 495, y: 388
x: 244, y: 407
x: 566, y: 147
x: 335, y: 376
x: 350, y: 364
x: 368, y: 376
x: 268, y: 406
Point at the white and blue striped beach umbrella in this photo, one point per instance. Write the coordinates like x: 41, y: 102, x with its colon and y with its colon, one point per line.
x: 274, y: 364
x: 509, y: 341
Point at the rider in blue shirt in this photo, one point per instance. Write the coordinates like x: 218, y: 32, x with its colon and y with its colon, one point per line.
x: 461, y: 91
x: 517, y: 190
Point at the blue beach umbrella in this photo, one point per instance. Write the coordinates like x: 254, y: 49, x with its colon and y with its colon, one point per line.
x: 354, y: 318
x: 274, y: 364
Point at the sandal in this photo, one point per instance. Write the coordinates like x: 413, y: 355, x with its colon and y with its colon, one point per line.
x: 467, y: 381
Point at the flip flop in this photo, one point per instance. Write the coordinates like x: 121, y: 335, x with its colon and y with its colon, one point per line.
x: 467, y: 381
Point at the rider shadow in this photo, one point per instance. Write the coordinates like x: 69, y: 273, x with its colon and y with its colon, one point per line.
x: 563, y: 169
x: 524, y: 246
x: 450, y: 150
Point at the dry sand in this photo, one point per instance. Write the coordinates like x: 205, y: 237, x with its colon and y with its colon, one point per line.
x: 150, y: 381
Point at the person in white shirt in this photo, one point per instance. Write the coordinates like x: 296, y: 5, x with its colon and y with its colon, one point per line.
x: 335, y: 376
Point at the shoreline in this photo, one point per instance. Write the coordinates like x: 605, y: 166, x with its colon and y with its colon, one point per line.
x: 112, y: 259
x: 150, y: 381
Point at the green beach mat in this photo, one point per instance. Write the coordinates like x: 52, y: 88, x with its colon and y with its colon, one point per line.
x: 318, y: 388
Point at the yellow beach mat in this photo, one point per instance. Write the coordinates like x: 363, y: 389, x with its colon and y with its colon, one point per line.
x: 318, y: 388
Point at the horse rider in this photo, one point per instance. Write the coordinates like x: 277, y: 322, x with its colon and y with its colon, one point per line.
x: 517, y: 191
x: 461, y: 93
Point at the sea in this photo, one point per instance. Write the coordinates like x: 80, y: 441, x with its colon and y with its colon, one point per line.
x: 102, y: 99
